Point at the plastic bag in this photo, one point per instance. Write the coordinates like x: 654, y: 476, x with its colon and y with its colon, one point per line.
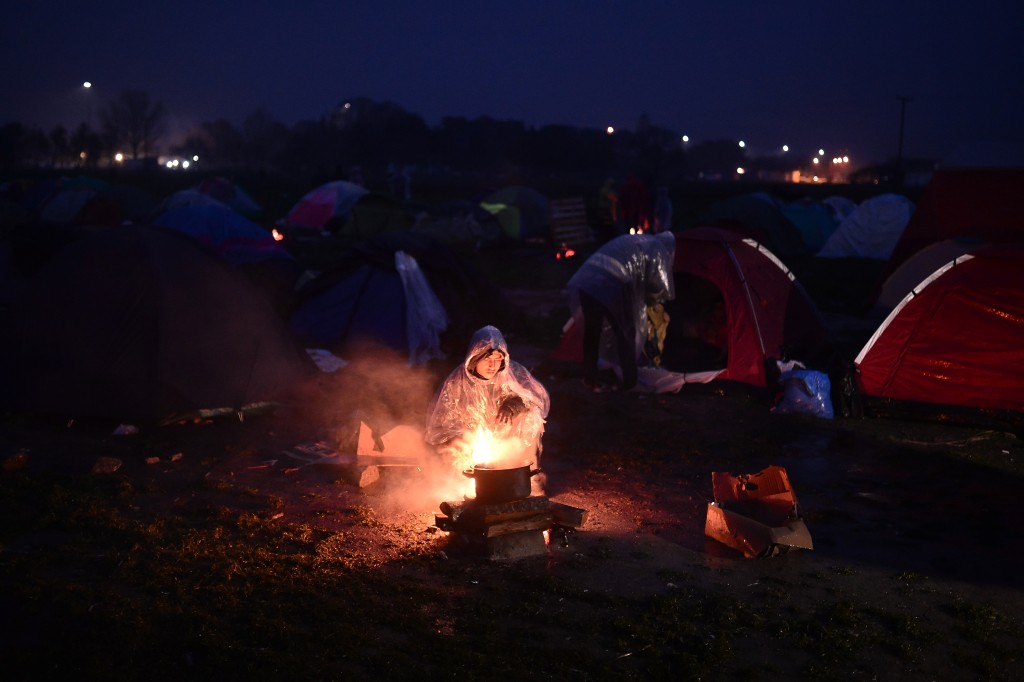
x: 805, y: 392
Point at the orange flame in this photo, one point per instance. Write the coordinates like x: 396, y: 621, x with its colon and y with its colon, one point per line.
x: 484, y: 447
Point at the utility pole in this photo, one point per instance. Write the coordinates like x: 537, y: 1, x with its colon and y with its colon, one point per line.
x: 899, y: 151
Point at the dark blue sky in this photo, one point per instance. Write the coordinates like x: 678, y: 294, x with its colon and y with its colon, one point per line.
x: 807, y: 74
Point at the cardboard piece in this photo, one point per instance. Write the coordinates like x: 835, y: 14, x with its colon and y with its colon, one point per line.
x: 402, y: 441
x: 757, y: 514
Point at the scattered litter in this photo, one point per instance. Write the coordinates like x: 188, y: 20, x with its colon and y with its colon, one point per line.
x: 325, y: 360
x: 16, y: 462
x: 756, y: 514
x: 177, y: 457
x: 318, y: 452
x: 106, y: 465
x: 805, y: 392
x: 152, y: 460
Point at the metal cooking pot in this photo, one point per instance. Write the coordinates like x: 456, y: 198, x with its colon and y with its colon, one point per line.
x: 494, y: 486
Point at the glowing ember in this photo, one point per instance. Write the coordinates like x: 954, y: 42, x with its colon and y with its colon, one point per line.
x: 277, y: 235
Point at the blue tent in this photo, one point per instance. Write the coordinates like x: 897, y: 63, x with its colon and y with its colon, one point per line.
x: 223, y: 231
x: 815, y: 221
x: 363, y: 306
x: 760, y: 216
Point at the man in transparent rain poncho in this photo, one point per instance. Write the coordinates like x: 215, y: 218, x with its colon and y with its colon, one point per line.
x: 622, y: 287
x: 491, y: 398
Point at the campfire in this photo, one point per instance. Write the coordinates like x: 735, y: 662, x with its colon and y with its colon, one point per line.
x: 504, y: 513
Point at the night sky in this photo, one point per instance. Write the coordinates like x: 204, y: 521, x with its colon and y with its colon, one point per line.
x: 807, y: 74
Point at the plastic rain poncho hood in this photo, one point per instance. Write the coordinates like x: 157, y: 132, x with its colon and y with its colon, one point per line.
x: 625, y: 275
x: 466, y: 402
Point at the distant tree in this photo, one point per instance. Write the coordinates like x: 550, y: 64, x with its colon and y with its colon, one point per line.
x: 195, y: 144
x: 373, y: 133
x: 715, y: 158
x: 313, y: 151
x: 134, y: 120
x: 60, y: 147
x: 218, y: 144
x: 86, y: 146
x: 263, y: 140
x: 21, y: 146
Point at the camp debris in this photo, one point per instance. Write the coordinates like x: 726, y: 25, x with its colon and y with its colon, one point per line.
x: 756, y: 514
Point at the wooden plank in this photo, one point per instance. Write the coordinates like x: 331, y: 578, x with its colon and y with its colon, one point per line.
x: 538, y: 521
x: 566, y: 515
x: 487, y: 513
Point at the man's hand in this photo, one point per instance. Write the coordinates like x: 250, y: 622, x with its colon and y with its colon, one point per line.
x: 510, y: 408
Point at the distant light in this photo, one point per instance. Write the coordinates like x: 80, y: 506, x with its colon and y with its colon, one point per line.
x: 740, y: 171
x: 82, y: 155
x: 195, y: 157
x: 742, y: 143
x: 347, y: 105
x: 277, y: 235
x: 815, y: 161
x: 184, y: 164
x: 686, y: 138
x: 785, y: 147
x: 821, y: 152
x: 170, y: 164
x: 846, y: 159
x: 609, y: 130
x: 119, y: 157
x: 86, y: 84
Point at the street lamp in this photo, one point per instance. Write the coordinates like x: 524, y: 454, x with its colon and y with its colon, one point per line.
x: 88, y: 103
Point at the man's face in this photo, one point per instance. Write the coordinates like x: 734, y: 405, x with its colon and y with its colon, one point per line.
x: 490, y: 364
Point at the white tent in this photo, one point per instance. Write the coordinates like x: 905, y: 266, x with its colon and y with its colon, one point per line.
x: 872, y: 230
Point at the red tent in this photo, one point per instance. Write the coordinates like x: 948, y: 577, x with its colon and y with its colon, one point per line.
x: 981, y: 203
x: 958, y: 341
x: 767, y: 314
x: 332, y: 200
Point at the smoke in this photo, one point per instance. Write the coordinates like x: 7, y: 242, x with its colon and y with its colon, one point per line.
x: 380, y: 389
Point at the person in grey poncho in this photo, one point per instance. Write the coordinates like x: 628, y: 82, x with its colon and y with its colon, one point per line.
x: 488, y: 390
x: 617, y: 283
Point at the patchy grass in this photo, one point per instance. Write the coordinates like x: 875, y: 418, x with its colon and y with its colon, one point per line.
x: 94, y: 589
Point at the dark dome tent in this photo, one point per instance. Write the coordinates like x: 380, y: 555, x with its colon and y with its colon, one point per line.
x: 143, y: 323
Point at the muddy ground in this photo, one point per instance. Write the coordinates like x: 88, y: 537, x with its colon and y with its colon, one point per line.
x: 912, y: 517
